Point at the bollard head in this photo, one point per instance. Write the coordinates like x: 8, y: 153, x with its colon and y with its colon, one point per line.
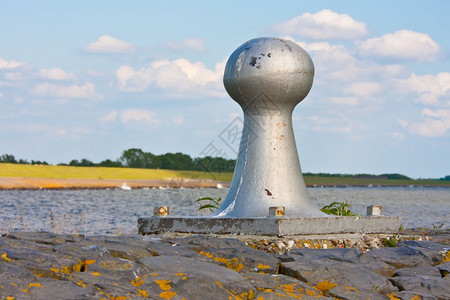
x: 279, y: 68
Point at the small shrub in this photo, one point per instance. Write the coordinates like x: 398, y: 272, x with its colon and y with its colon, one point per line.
x: 213, y: 203
x: 390, y: 242
x: 338, y: 209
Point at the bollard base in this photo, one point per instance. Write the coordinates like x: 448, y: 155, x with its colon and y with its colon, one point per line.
x: 279, y: 226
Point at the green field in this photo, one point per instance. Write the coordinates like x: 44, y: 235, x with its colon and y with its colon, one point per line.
x: 341, y: 181
x: 44, y: 171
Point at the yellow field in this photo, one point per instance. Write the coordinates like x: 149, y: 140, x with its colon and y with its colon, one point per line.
x: 63, y: 172
x: 28, y: 175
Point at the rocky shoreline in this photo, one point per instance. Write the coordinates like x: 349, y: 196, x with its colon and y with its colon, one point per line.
x: 36, y: 265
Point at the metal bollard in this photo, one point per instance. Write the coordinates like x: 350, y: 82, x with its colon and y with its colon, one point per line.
x: 268, y: 77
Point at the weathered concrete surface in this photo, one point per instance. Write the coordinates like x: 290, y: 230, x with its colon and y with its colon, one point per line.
x: 279, y: 226
x: 49, y: 266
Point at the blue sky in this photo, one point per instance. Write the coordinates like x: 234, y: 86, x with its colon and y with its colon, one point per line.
x: 89, y: 79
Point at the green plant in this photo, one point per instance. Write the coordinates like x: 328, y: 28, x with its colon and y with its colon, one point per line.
x: 390, y: 241
x: 212, y: 205
x: 338, y: 209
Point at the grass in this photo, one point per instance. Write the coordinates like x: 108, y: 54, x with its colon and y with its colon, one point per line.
x: 63, y: 172
x: 327, y: 181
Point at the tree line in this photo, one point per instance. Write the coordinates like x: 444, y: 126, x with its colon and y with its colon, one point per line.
x: 137, y: 158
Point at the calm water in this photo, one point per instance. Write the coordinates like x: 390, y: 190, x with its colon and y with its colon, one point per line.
x: 116, y: 211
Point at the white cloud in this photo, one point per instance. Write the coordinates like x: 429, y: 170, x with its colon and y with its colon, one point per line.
x: 12, y: 64
x: 352, y: 101
x: 397, y: 136
x: 179, y: 120
x: 27, y: 127
x: 109, y: 45
x: 56, y: 74
x: 431, y: 88
x: 363, y: 89
x: 110, y: 117
x: 194, y: 44
x: 72, y: 133
x: 325, y: 54
x: 73, y: 91
x: 138, y: 115
x: 325, y: 24
x: 18, y: 100
x: 16, y: 76
x: 434, y: 123
x: 180, y: 78
x: 94, y: 73
x: 340, y: 125
x: 403, y: 45
x: 1, y: 95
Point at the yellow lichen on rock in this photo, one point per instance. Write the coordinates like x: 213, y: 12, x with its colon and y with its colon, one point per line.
x: 167, y: 295
x: 164, y: 284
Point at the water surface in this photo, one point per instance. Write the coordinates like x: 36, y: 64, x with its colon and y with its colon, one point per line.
x: 116, y: 211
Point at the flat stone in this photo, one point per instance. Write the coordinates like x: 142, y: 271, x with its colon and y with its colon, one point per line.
x: 402, y: 257
x: 352, y: 293
x: 279, y: 226
x: 425, y: 271
x: 444, y: 268
x: 281, y: 286
x: 231, y: 253
x: 339, y: 266
x: 407, y: 295
x: 435, y: 286
x: 193, y: 279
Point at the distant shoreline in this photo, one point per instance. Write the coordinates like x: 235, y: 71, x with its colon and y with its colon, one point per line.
x: 28, y: 183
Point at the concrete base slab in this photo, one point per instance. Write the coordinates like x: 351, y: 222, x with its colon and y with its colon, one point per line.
x: 279, y: 226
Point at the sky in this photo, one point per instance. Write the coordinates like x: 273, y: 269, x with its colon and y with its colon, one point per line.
x: 89, y: 79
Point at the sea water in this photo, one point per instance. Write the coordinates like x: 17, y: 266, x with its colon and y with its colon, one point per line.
x: 115, y: 211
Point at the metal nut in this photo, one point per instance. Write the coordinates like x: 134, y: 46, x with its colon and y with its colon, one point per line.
x: 276, y: 211
x: 161, y: 211
x: 374, y: 210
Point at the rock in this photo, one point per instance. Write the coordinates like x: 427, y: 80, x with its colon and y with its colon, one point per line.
x: 339, y: 266
x: 276, y: 286
x: 402, y: 257
x: 188, y: 277
x: 435, y: 286
x: 351, y: 293
x: 49, y: 266
x: 444, y: 268
x: 406, y: 295
x: 425, y: 271
x: 47, y: 288
x: 290, y: 244
x: 232, y: 254
x: 282, y: 246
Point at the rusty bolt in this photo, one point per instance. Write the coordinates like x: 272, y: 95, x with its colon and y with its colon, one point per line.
x: 162, y: 211
x: 374, y: 210
x: 276, y: 211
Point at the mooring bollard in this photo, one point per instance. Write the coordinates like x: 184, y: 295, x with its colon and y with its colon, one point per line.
x: 268, y: 77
